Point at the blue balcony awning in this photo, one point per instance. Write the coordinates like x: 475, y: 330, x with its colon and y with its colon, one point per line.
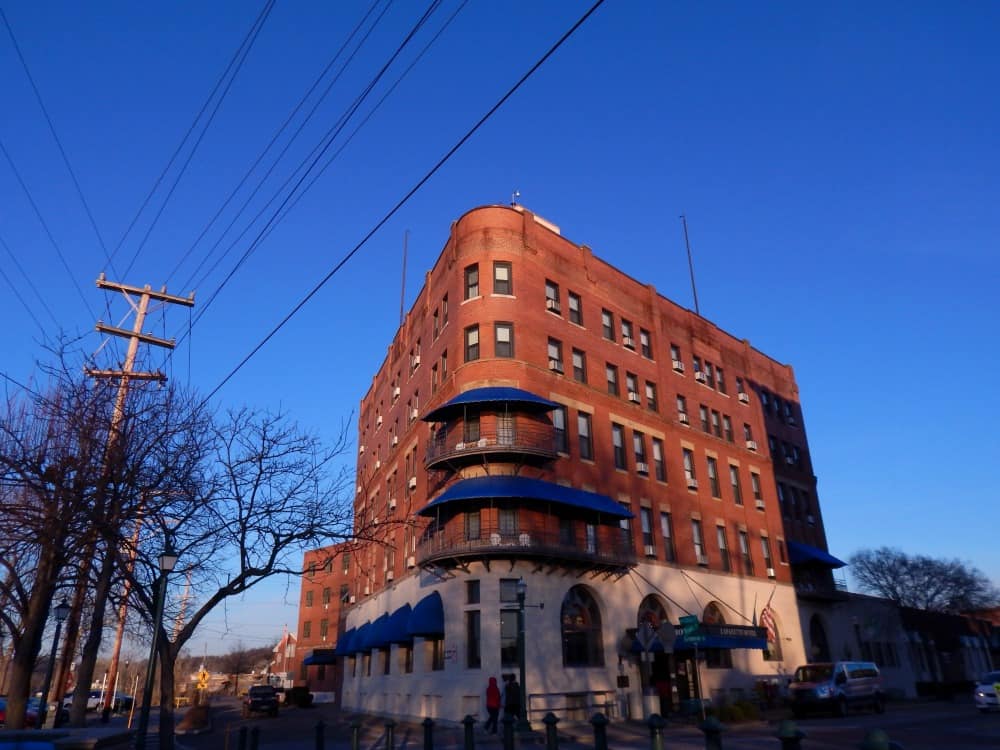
x: 320, y: 656
x: 360, y: 636
x: 801, y: 554
x: 344, y: 643
x: 486, y: 488
x: 399, y: 621
x: 427, y: 618
x: 490, y: 395
x: 377, y: 636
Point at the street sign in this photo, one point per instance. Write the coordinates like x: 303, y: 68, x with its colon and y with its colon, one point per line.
x: 692, y: 629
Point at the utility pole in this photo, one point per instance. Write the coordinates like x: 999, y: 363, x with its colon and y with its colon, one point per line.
x: 139, y: 299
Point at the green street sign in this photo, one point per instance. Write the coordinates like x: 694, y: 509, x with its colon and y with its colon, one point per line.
x: 692, y: 629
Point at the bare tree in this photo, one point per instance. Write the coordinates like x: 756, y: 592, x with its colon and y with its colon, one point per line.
x: 923, y: 582
x: 242, y: 660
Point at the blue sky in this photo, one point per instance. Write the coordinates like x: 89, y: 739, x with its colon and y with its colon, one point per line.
x: 838, y: 165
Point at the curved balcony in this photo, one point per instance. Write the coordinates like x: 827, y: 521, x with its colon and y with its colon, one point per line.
x: 525, y: 442
x: 450, y: 547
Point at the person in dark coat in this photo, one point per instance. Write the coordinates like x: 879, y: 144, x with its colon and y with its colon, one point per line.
x: 512, y: 698
x: 492, y: 705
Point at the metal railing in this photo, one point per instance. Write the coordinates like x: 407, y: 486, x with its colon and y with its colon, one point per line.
x: 527, y: 438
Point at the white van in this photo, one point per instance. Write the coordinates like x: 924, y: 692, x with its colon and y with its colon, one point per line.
x: 836, y: 686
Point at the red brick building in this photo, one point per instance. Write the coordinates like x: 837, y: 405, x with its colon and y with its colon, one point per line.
x: 545, y: 424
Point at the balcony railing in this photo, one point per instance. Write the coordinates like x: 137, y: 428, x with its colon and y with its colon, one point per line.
x: 821, y: 585
x: 609, y: 549
x: 525, y: 439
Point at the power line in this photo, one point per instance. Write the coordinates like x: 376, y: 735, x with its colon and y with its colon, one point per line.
x: 27, y: 279
x: 433, y: 170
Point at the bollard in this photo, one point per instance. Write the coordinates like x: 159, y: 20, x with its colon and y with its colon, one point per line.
x: 390, y: 735
x: 320, y: 730
x: 656, y: 724
x: 877, y: 739
x: 790, y: 735
x: 355, y: 733
x: 469, y: 739
x: 713, y: 729
x: 600, y: 723
x: 428, y: 725
x: 241, y: 741
x: 508, y: 732
x: 551, y: 738
x: 254, y: 738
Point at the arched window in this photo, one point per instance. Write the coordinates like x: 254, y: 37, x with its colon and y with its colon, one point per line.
x: 652, y: 611
x: 716, y: 658
x: 583, y: 642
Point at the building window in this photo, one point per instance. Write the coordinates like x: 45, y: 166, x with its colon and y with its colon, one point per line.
x: 703, y: 416
x: 659, y: 468
x: 508, y: 590
x: 675, y: 356
x: 618, y: 444
x: 747, y: 433
x: 713, y: 476
x: 307, y: 629
x: 646, y: 522
x: 559, y: 428
x: 347, y: 562
x: 503, y: 282
x: 470, y: 429
x: 745, y: 553
x: 575, y: 308
x: 444, y: 365
x: 688, y: 459
x: 508, y: 638
x: 782, y: 555
x: 632, y: 387
x: 696, y: 365
x: 611, y: 372
x: 444, y: 311
x: 327, y: 594
x: 651, y: 402
x: 437, y: 324
x: 504, y: 344
x: 639, y: 448
x: 579, y: 366
x: 345, y: 593
x: 720, y: 380
x: 608, y: 325
x: 309, y: 598
x: 765, y: 548
x: 472, y: 281
x: 699, y: 542
x: 582, y: 637
x: 645, y: 344
x: 437, y: 654
x: 508, y: 522
x: 741, y: 388
x: 734, y: 480
x: 628, y: 341
x: 552, y: 297
x: 324, y: 628
x: 472, y: 343
x: 473, y: 657
x: 584, y: 437
x: 716, y: 425
x: 555, y: 355
x: 682, y: 409
x: 727, y: 427
x: 472, y: 590
x: 720, y: 535
x: 709, y: 375
x: 667, y: 532
x: 764, y: 400
x: 473, y: 525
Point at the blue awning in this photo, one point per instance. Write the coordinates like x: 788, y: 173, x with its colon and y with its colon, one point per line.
x: 377, y: 635
x: 485, y: 488
x: 320, y: 656
x: 396, y: 630
x: 721, y: 641
x: 344, y: 643
x: 427, y: 617
x: 360, y: 636
x: 489, y: 395
x: 800, y: 554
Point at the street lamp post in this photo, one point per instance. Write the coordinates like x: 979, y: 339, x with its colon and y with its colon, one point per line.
x: 523, y: 725
x: 168, y: 559
x: 61, y: 612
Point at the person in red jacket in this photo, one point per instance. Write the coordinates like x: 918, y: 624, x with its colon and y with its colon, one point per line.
x: 492, y: 705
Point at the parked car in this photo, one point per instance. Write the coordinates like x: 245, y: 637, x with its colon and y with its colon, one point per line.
x: 986, y: 694
x: 260, y: 699
x: 836, y: 686
x: 94, y: 700
x: 30, y: 713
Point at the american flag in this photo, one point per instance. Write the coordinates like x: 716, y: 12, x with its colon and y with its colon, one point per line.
x: 767, y: 621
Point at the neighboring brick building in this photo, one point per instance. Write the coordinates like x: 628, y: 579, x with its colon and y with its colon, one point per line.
x: 543, y: 418
x: 323, y: 595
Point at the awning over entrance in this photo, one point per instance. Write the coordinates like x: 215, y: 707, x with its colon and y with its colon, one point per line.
x: 708, y: 636
x: 525, y: 488
x: 800, y: 554
x: 489, y: 395
x: 427, y: 618
x: 321, y: 656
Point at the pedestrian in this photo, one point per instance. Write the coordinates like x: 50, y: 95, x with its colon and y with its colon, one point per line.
x: 492, y: 705
x: 512, y: 698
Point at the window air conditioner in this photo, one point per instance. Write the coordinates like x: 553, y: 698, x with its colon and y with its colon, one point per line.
x: 552, y: 304
x: 359, y: 489
x: 378, y: 421
x: 352, y: 599
x: 389, y: 575
x: 416, y: 360
x: 811, y: 520
x: 392, y: 503
x: 682, y: 417
x: 627, y: 341
x: 395, y: 439
x: 678, y: 365
x: 555, y: 365
x: 791, y: 422
x: 642, y: 467
x: 460, y: 446
x: 366, y: 591
x: 692, y: 483
x: 744, y: 398
x: 414, y: 413
x: 789, y: 460
x: 413, y: 483
x: 700, y: 377
x: 759, y: 504
x: 702, y: 558
x: 361, y: 449
x: 770, y: 572
x: 650, y: 550
x: 633, y: 396
x: 751, y: 445
x: 378, y: 463
x: 411, y: 561
x: 396, y: 391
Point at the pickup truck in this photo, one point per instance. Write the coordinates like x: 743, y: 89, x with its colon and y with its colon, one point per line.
x: 260, y: 699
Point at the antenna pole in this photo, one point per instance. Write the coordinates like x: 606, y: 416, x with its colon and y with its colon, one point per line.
x: 687, y: 243
x: 402, y: 283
